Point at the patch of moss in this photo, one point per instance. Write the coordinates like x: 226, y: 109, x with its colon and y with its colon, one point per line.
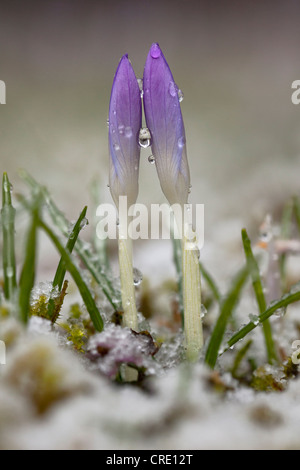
x: 266, y: 381
x: 78, y: 327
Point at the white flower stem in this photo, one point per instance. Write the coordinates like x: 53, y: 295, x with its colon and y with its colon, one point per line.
x: 191, y: 300
x: 127, y: 285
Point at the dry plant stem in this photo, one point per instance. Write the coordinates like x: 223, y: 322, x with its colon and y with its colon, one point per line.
x: 126, y: 277
x: 191, y: 301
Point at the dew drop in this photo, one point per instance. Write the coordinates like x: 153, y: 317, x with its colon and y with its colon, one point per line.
x: 144, y: 138
x: 107, y: 122
x: 155, y: 51
x: 190, y: 189
x: 140, y: 84
x: 9, y: 272
x: 181, y: 142
x: 180, y: 95
x: 137, y: 277
x: 7, y: 187
x: 203, y: 311
x: 151, y: 159
x: 128, y: 132
x: 173, y: 89
x: 254, y: 319
x: 116, y: 147
x: 121, y: 129
x: 84, y: 223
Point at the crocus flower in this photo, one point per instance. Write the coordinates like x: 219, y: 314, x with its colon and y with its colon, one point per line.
x: 125, y: 119
x: 164, y: 120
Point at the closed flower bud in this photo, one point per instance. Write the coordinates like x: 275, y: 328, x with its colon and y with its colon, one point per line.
x: 125, y: 119
x: 164, y: 120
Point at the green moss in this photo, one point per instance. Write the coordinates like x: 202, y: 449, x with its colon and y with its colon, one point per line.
x: 40, y: 308
x: 79, y: 328
x: 266, y: 381
x: 77, y: 335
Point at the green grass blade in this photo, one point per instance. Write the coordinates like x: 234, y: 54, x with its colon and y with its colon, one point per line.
x: 211, y: 283
x: 8, y: 229
x: 297, y: 211
x: 259, y: 294
x: 81, y: 248
x: 227, y: 307
x: 82, y: 287
x: 286, y: 300
x: 61, y: 269
x: 28, y: 272
x: 240, y: 356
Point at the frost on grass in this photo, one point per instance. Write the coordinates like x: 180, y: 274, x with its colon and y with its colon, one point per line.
x: 58, y: 388
x: 117, y: 345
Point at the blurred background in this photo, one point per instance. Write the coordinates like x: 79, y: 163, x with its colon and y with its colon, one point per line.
x: 235, y: 61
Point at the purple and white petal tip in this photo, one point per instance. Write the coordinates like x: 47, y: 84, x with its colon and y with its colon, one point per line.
x: 125, y: 119
x: 164, y: 120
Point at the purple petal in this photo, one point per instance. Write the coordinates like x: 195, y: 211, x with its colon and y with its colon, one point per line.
x: 164, y: 120
x: 125, y: 119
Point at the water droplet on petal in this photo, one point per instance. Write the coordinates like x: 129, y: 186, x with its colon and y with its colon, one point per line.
x: 151, y: 159
x: 116, y: 147
x: 107, y: 122
x: 121, y: 128
x: 128, y: 132
x: 155, y: 51
x: 173, y: 89
x: 180, y: 95
x: 181, y: 142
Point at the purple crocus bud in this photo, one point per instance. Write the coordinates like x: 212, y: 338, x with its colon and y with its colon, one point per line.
x: 164, y: 120
x: 125, y: 119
